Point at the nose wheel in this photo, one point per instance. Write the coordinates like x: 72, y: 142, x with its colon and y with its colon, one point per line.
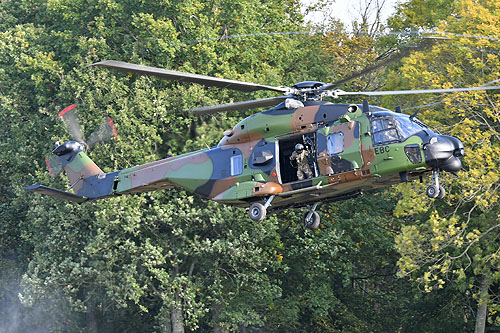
x: 311, y: 219
x: 435, y: 191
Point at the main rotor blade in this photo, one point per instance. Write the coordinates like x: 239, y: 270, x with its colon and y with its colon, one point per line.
x: 105, y: 132
x: 70, y: 119
x: 209, y: 81
x: 413, y: 92
x: 404, y: 53
x: 257, y: 103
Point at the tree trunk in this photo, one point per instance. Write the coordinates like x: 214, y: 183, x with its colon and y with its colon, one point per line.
x: 176, y: 319
x: 215, y: 317
x: 176, y: 315
x: 92, y: 323
x: 482, y: 308
x: 167, y: 324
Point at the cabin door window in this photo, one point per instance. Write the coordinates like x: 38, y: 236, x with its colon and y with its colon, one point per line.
x: 335, y: 143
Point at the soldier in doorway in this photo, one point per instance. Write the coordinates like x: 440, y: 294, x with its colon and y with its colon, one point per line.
x: 300, y: 155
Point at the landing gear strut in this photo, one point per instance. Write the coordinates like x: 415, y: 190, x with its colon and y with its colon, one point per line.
x: 258, y: 211
x: 435, y: 190
x: 311, y: 219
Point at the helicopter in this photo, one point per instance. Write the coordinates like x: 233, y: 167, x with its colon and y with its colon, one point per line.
x: 351, y: 148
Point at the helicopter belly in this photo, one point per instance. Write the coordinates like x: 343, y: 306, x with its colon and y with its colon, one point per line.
x: 329, y: 192
x: 248, y: 189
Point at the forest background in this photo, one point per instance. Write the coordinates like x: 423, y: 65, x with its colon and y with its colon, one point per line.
x: 389, y: 261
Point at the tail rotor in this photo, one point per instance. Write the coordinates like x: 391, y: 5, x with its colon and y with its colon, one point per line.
x: 54, y: 166
x: 70, y: 119
x: 106, y: 131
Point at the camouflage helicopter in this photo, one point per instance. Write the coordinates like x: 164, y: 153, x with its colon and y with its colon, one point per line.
x: 350, y: 148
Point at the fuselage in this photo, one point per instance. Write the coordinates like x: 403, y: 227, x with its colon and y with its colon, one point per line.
x: 351, y: 148
x: 367, y: 148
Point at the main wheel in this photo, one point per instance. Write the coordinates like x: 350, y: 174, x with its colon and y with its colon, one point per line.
x: 432, y: 191
x: 257, y: 212
x: 442, y: 192
x: 313, y: 222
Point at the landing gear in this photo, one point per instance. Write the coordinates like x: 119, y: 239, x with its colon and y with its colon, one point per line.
x: 435, y: 190
x: 311, y: 219
x: 432, y: 191
x: 258, y: 211
x: 442, y: 192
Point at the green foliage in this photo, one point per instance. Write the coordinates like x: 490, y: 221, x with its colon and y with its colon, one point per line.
x: 167, y: 259
x: 455, y: 242
x: 135, y: 259
x: 421, y: 14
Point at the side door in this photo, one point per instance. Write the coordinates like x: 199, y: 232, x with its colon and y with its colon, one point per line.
x: 389, y: 145
x: 339, y: 148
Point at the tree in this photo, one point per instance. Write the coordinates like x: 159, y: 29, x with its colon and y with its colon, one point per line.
x: 135, y: 257
x: 421, y: 14
x: 455, y: 241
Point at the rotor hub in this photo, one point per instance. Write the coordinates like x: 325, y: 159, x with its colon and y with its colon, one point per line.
x: 69, y: 147
x: 309, y: 90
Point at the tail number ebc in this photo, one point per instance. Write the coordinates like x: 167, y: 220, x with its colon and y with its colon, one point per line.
x: 381, y: 150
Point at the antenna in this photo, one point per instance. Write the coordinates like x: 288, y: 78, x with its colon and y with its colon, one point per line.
x: 366, y: 107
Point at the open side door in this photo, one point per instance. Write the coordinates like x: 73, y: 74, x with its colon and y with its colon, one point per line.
x: 285, y: 146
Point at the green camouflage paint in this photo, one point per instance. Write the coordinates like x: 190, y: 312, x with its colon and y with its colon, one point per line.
x: 247, y: 165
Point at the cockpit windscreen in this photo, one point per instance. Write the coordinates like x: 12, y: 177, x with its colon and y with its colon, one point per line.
x: 390, y: 128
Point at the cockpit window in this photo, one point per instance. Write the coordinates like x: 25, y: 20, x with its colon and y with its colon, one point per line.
x: 384, y: 130
x: 388, y: 129
x: 407, y: 127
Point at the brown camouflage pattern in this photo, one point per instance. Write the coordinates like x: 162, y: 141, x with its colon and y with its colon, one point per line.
x: 248, y: 163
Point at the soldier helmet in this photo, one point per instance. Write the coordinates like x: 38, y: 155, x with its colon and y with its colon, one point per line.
x: 299, y: 147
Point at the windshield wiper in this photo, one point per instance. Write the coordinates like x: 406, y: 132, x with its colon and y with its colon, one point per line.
x: 417, y: 121
x: 415, y: 114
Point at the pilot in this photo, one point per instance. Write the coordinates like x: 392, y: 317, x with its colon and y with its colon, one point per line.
x: 300, y: 155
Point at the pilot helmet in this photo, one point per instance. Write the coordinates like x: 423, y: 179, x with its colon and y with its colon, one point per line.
x: 299, y: 147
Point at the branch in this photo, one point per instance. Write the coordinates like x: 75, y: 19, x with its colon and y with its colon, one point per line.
x: 475, y: 241
x: 191, y: 268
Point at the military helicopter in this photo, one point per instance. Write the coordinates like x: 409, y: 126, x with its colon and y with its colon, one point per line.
x: 351, y: 148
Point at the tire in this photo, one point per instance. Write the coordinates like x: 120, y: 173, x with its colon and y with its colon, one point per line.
x: 442, y: 192
x: 313, y: 222
x: 432, y: 191
x: 257, y: 212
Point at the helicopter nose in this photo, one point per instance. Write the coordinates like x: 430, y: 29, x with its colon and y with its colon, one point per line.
x: 443, y: 152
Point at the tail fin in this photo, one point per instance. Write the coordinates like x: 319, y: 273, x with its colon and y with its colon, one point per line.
x: 87, y: 180
x: 79, y: 168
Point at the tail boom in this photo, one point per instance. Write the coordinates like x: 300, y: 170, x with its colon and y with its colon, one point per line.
x: 88, y: 182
